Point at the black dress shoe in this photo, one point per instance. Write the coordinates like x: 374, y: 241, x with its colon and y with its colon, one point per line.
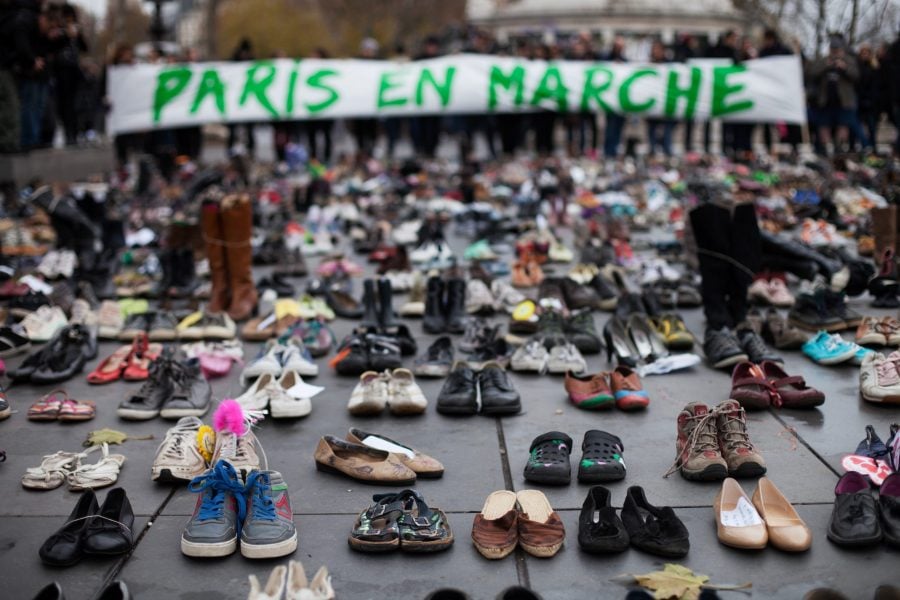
x: 652, y: 529
x: 548, y: 459
x: 113, y: 533
x: 384, y: 352
x: 51, y: 591
x: 117, y: 590
x: 889, y: 503
x: 64, y: 548
x: 854, y: 519
x: 498, y: 396
x: 600, y: 530
x: 459, y: 395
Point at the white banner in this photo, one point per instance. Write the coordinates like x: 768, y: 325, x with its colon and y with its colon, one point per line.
x: 150, y: 96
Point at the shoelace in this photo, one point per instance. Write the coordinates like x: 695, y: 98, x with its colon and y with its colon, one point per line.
x: 221, y: 480
x: 887, y: 371
x: 739, y: 437
x: 174, y: 445
x: 262, y: 507
x: 702, y: 437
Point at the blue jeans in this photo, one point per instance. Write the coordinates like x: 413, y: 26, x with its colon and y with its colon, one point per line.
x: 654, y: 126
x: 33, y: 101
x: 615, y: 124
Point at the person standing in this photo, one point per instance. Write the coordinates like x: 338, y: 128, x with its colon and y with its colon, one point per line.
x: 867, y: 89
x: 726, y: 49
x: 244, y: 51
x: 659, y: 129
x: 834, y: 78
x: 69, y: 44
x: 615, y: 123
x: 11, y: 54
x: 772, y: 46
x: 31, y: 29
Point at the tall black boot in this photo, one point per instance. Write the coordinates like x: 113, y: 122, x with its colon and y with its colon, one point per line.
x: 386, y: 317
x: 184, y: 280
x: 370, y: 305
x: 169, y: 265
x: 710, y: 225
x: 456, y: 306
x: 434, y: 320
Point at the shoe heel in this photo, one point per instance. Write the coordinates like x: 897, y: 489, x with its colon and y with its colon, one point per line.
x: 327, y: 468
x: 609, y: 347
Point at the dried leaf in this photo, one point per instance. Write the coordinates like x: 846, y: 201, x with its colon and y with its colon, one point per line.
x: 674, y: 581
x: 109, y: 436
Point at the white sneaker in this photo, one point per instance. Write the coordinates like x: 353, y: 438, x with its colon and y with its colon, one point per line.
x: 370, y: 395
x: 110, y: 320
x: 82, y: 313
x: 291, y: 397
x: 42, y: 324
x: 405, y: 397
x: 506, y: 296
x: 65, y: 264
x: 879, y: 378
x: 257, y: 395
x: 47, y: 268
x: 532, y: 357
x: 478, y: 297
x: 178, y: 458
x: 424, y: 253
x: 295, y: 358
x: 267, y: 362
x: 565, y: 357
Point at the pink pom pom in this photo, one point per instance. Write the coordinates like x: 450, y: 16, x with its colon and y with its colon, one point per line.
x: 230, y: 417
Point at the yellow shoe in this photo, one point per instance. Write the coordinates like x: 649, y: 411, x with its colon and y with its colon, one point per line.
x: 674, y: 332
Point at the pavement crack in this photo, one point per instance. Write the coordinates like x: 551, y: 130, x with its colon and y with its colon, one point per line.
x: 521, y: 562
x: 793, y: 431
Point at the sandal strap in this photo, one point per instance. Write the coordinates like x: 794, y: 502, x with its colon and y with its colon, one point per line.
x: 793, y: 380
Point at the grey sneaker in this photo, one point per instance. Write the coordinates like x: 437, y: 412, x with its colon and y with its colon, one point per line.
x: 239, y: 450
x: 565, y: 357
x: 146, y: 403
x: 177, y: 458
x: 191, y: 394
x: 268, y: 530
x: 214, y: 526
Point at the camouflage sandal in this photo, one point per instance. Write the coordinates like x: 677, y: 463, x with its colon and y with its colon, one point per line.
x: 423, y: 529
x: 377, y: 528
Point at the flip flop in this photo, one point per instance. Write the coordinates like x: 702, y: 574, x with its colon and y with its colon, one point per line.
x: 875, y: 470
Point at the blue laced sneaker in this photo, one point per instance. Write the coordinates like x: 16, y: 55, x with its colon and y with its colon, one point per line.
x: 828, y: 349
x: 861, y: 353
x: 268, y: 530
x: 216, y: 523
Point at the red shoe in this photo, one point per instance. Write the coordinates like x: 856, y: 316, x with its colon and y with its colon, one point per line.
x: 112, y: 366
x: 142, y: 355
x: 627, y: 389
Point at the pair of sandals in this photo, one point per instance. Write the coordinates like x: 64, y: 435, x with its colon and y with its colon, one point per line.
x: 131, y: 362
x: 65, y: 467
x: 401, y: 520
x: 290, y: 582
x: 58, y: 406
x: 873, y: 458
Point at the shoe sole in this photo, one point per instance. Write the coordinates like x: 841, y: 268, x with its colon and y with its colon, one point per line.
x: 884, y: 400
x: 373, y: 547
x: 855, y: 542
x: 177, y: 413
x: 601, y: 477
x: 426, y: 547
x: 809, y: 327
x: 200, y: 550
x: 457, y: 410
x: 499, y: 412
x: 4, y: 414
x: 366, y: 410
x: 836, y: 360
x: 730, y: 361
x: 15, y: 351
x: 336, y: 471
x: 710, y: 473
x: 747, y: 470
x: 431, y: 371
x: 541, y: 551
x: 275, y: 550
x: 136, y: 415
x: 549, y: 479
x: 406, y: 410
x: 494, y: 553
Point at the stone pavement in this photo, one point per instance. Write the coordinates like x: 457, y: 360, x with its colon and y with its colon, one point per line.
x: 802, y: 448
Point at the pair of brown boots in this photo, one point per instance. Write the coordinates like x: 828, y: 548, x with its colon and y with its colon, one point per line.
x: 227, y: 227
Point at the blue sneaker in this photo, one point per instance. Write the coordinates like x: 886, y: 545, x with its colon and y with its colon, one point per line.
x: 828, y: 349
x: 860, y: 354
x: 268, y: 530
x: 216, y: 524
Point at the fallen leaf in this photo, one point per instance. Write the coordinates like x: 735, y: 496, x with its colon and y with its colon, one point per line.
x: 674, y: 581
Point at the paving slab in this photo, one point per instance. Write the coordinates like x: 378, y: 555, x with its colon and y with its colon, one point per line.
x: 22, y: 573
x: 323, y: 538
x: 774, y: 574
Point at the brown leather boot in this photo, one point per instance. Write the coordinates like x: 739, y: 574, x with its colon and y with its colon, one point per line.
x: 237, y: 226
x: 211, y: 224
x: 884, y: 228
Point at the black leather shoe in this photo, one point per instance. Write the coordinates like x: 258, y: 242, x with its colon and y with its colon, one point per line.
x: 384, y: 353
x: 64, y: 548
x: 459, y: 395
x: 191, y: 393
x: 652, y: 529
x: 112, y: 534
x: 854, y: 519
x: 386, y: 317
x: 434, y: 320
x: 600, y: 530
x: 51, y: 591
x: 356, y: 356
x: 456, y: 306
x: 889, y: 502
x: 117, y: 590
x: 69, y: 355
x: 498, y: 396
x: 403, y: 338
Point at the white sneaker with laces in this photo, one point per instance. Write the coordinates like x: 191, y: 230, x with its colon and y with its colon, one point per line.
x: 370, y: 395
x: 565, y: 357
x: 257, y: 395
x: 405, y: 397
x: 532, y: 357
x: 269, y: 363
x: 178, y: 458
x: 294, y: 358
x: 42, y: 324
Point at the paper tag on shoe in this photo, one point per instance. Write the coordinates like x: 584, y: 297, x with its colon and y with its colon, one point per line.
x: 381, y: 444
x: 36, y: 285
x: 305, y: 390
x: 744, y: 515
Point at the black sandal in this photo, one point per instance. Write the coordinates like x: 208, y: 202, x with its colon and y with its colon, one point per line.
x: 377, y: 528
x: 601, y: 458
x: 422, y: 528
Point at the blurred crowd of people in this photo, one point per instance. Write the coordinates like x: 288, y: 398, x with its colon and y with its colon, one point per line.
x: 47, y: 81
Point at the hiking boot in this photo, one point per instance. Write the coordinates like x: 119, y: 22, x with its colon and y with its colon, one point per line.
x: 836, y: 304
x: 459, y: 395
x: 551, y: 329
x: 811, y: 313
x: 213, y: 528
x: 178, y: 458
x: 722, y: 348
x: 146, y: 403
x: 781, y: 334
x: 191, y: 393
x: 437, y: 359
x: 548, y: 463
x: 582, y: 331
x: 498, y: 396
x: 741, y: 457
x: 268, y: 530
x: 699, y: 457
x: 753, y: 345
x: 456, y: 306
